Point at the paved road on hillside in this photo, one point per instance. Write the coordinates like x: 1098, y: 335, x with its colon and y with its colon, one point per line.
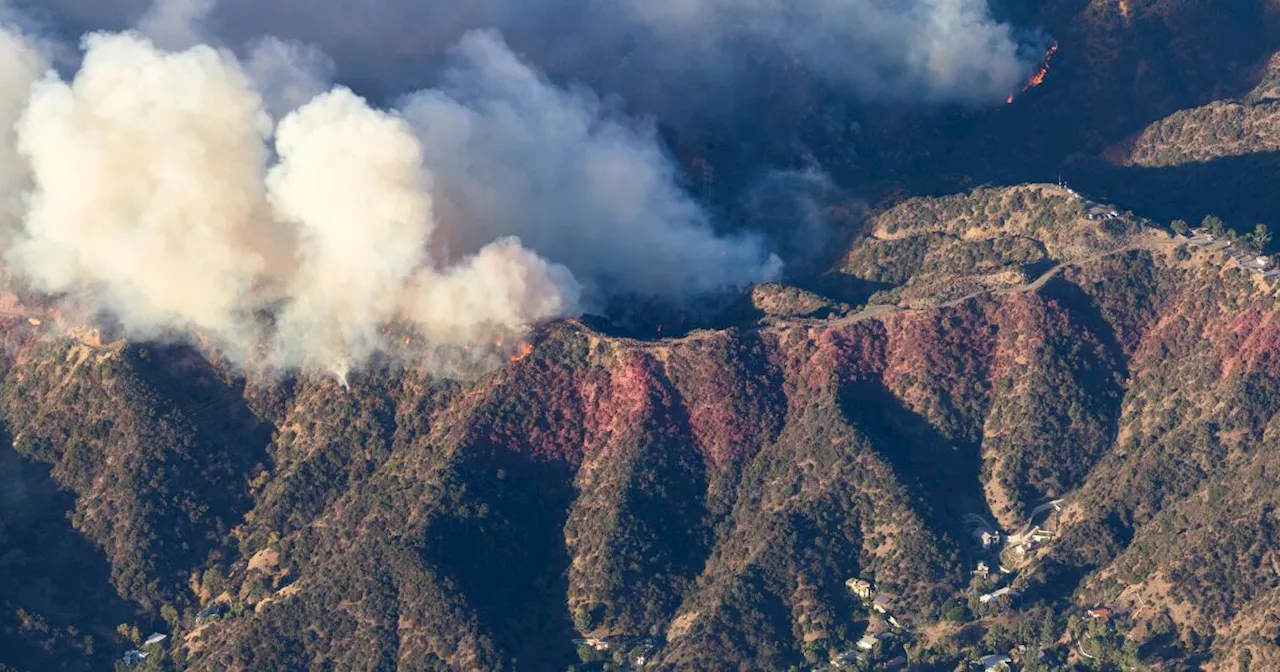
x: 882, y: 310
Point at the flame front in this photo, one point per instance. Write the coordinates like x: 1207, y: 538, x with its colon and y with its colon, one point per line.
x: 526, y: 349
x: 1038, y: 78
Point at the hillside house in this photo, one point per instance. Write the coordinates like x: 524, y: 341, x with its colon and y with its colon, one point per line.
x: 898, y: 663
x: 155, y: 638
x: 1038, y: 534
x: 996, y: 662
x: 982, y: 571
x: 641, y: 657
x: 880, y: 604
x: 1099, y: 212
x: 134, y: 657
x: 215, y: 610
x: 868, y: 642
x: 1098, y: 613
x: 845, y: 659
x: 860, y: 587
x: 995, y: 595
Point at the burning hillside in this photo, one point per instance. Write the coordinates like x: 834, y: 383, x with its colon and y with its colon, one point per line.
x: 1037, y: 78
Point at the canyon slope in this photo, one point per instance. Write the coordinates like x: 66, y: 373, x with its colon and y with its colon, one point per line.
x: 700, y: 500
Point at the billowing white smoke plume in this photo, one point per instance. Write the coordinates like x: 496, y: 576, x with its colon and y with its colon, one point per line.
x: 351, y: 180
x: 148, y: 191
x: 161, y: 191
x: 494, y: 131
x: 21, y: 64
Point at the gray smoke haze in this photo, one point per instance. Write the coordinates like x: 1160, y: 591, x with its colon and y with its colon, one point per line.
x: 930, y: 50
x: 176, y: 24
x: 195, y: 173
x: 913, y: 50
x: 156, y: 185
x: 611, y: 203
x: 22, y: 62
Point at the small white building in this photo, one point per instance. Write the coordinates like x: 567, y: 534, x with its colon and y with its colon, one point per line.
x: 995, y: 595
x: 155, y: 638
x: 995, y: 662
x: 134, y: 657
x: 860, y: 587
x: 868, y: 642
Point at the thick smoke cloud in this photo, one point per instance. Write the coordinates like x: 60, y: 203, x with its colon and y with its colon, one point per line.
x: 176, y: 24
x: 147, y: 186
x: 22, y: 62
x: 288, y: 74
x: 611, y: 204
x: 196, y: 173
x: 158, y: 188
x: 912, y: 50
x: 931, y: 50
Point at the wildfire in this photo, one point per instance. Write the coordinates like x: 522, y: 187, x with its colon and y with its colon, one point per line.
x: 526, y: 349
x: 1038, y: 78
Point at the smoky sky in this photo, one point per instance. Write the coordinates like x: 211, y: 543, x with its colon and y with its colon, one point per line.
x: 225, y: 171
x: 911, y: 50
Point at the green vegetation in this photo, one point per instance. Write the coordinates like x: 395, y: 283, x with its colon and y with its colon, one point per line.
x: 699, y: 501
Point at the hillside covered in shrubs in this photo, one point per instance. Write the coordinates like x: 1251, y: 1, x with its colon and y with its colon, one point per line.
x: 701, y: 502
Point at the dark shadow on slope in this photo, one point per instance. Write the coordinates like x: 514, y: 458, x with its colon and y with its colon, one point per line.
x: 661, y: 538
x: 1073, y: 298
x: 52, y: 575
x: 752, y: 622
x: 1082, y: 549
x: 1239, y: 189
x: 845, y: 287
x: 208, y: 398
x: 1036, y: 269
x: 218, y: 445
x: 647, y: 318
x: 938, y: 472
x: 503, y: 546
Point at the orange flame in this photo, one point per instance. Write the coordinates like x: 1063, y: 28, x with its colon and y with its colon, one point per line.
x: 1038, y: 78
x: 526, y: 349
